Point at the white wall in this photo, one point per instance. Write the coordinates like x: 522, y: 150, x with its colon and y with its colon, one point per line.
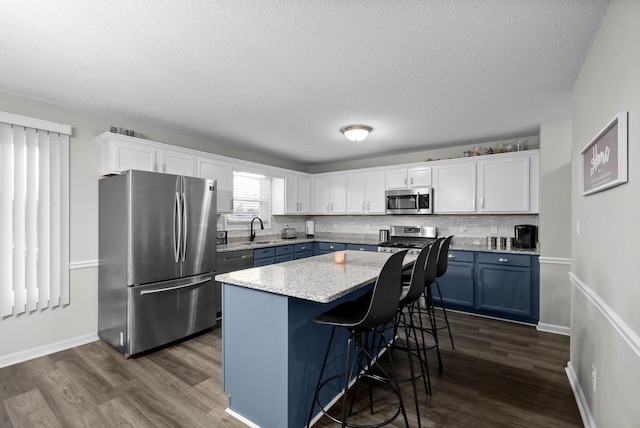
x: 41, y: 332
x: 555, y: 226
x: 605, y: 322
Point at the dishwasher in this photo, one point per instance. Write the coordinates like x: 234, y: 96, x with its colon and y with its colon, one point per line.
x: 230, y: 261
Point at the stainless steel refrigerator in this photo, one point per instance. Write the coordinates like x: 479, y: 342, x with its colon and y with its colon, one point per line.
x: 157, y: 243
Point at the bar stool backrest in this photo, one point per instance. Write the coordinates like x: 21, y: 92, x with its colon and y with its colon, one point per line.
x: 443, y: 256
x: 386, y: 293
x: 416, y: 285
x: 431, y: 266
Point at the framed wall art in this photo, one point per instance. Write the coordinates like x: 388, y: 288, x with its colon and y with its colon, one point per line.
x: 603, y: 163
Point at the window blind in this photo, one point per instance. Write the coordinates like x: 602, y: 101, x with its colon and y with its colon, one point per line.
x: 34, y: 216
x: 251, y: 198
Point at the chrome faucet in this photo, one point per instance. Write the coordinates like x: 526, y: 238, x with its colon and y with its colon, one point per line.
x: 253, y: 232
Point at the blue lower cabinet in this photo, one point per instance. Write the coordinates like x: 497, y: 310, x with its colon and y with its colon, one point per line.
x: 457, y: 285
x: 264, y: 256
x: 330, y: 247
x: 359, y: 247
x: 284, y: 253
x: 502, y: 285
x: 302, y: 251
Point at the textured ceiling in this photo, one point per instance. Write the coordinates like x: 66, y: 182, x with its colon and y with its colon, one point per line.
x: 280, y: 78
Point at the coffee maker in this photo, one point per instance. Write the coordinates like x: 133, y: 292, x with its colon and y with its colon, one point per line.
x: 526, y: 236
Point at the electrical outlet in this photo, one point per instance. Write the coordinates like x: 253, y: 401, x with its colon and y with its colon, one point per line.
x: 593, y: 377
x: 335, y: 226
x: 494, y: 229
x: 463, y: 228
x: 367, y: 227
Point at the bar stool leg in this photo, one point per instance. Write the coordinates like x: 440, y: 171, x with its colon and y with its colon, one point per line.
x: 444, y: 312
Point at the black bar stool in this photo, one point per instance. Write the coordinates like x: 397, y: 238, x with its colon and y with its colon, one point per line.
x: 443, y: 259
x: 409, y: 322
x: 366, y: 320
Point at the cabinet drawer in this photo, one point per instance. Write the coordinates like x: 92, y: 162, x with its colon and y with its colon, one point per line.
x: 304, y: 247
x: 303, y: 254
x: 460, y: 256
x: 260, y: 253
x: 505, y: 259
x: 285, y: 249
x: 331, y: 246
x: 284, y: 258
x: 265, y: 261
x: 358, y: 247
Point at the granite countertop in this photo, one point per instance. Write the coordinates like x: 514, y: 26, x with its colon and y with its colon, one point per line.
x: 318, y: 278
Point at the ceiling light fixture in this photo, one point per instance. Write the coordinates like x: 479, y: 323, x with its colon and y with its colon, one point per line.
x: 356, y: 132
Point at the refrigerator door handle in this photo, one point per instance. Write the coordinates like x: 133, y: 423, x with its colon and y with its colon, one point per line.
x: 175, y: 287
x: 184, y: 220
x: 176, y: 233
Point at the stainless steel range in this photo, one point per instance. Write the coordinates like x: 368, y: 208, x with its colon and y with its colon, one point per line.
x: 411, y: 237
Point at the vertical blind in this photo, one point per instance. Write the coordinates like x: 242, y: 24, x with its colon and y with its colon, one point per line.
x: 34, y: 218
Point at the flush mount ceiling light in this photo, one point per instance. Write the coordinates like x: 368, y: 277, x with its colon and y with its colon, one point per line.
x: 356, y: 132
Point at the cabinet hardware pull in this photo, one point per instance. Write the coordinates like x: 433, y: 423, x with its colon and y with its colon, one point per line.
x: 451, y: 256
x: 503, y: 260
x: 328, y: 206
x: 473, y: 200
x: 482, y: 202
x: 331, y: 247
x: 362, y: 205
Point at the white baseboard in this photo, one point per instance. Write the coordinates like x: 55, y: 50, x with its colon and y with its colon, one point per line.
x: 241, y: 418
x: 581, y: 401
x: 29, y: 354
x: 552, y: 328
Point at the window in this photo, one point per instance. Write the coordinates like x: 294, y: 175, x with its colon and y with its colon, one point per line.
x: 34, y: 214
x: 251, y: 198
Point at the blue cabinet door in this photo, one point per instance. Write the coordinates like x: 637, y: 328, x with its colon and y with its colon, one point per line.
x: 504, y: 289
x: 456, y: 286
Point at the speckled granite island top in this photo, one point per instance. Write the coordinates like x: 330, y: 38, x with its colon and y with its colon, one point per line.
x: 318, y: 278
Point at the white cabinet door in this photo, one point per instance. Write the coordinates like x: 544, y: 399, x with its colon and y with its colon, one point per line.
x: 504, y: 185
x: 420, y: 177
x: 338, y: 194
x: 330, y: 194
x: 120, y: 153
x: 304, y: 195
x: 291, y: 194
x: 356, y: 194
x: 322, y: 192
x: 375, y: 197
x: 455, y: 188
x: 176, y: 162
x: 396, y: 178
x: 223, y: 173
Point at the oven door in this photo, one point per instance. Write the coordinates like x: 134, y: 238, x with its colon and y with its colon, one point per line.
x: 410, y: 201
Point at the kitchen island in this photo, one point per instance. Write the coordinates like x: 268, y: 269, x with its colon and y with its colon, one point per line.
x: 272, y: 349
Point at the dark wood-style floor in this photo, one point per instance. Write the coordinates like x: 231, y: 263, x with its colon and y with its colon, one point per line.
x: 499, y: 375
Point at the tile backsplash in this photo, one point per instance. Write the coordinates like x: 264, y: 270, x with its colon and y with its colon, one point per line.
x: 462, y: 226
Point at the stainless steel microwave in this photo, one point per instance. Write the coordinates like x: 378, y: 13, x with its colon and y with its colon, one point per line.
x: 410, y: 201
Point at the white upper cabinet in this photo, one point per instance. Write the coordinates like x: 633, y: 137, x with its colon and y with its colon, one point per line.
x: 365, y: 193
x: 176, y: 162
x: 503, y: 185
x: 420, y: 177
x: 408, y: 177
x: 222, y: 172
x: 494, y: 184
x: 120, y: 153
x: 454, y: 188
x: 330, y: 194
x: 291, y: 195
